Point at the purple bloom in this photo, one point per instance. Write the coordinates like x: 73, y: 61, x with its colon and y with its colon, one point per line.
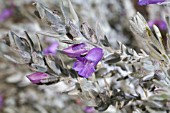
x: 89, y: 109
x: 86, y: 65
x: 6, y: 13
x: 75, y: 50
x: 147, y: 2
x: 160, y: 23
x: 1, y: 101
x: 51, y: 49
x: 36, y: 77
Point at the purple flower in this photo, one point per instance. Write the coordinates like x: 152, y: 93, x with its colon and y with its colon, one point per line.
x: 6, y: 13
x: 51, y: 49
x: 86, y: 65
x: 160, y: 23
x: 76, y: 50
x: 89, y: 109
x: 36, y: 77
x: 1, y: 102
x: 147, y: 2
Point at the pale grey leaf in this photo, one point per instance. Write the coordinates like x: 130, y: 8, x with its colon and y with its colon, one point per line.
x: 39, y: 68
x: 15, y: 55
x: 50, y: 80
x: 37, y: 58
x: 51, y: 64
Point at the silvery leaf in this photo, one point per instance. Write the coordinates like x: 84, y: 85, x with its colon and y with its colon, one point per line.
x: 100, y: 71
x: 100, y: 36
x: 160, y: 75
x: 73, y: 89
x: 37, y: 58
x: 73, y: 16
x: 113, y: 60
x: 39, y: 46
x: 73, y: 30
x: 159, y: 38
x: 68, y: 42
x: 148, y: 77
x: 157, y: 105
x: 50, y: 61
x: 87, y: 85
x: 18, y: 42
x: 38, y: 62
x: 38, y: 67
x: 30, y: 41
x: 51, y: 18
x: 154, y: 52
x: 105, y: 42
x: 85, y: 95
x: 59, y: 28
x: 74, y: 92
x: 86, y: 30
x: 47, y: 14
x: 93, y: 93
x: 156, y: 48
x: 16, y: 56
x: 40, y: 10
x: 168, y: 44
x: 50, y: 80
x: 89, y: 33
x: 160, y: 97
x: 15, y: 78
x: 136, y: 75
x: 71, y: 21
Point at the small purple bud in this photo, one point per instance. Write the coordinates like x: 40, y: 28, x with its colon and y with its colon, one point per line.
x: 86, y: 65
x: 75, y: 50
x: 1, y: 102
x: 147, y: 2
x: 36, y: 77
x: 161, y: 24
x: 89, y: 109
x: 52, y: 49
x: 6, y: 13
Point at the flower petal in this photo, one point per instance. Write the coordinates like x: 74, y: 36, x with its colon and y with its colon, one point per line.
x: 51, y: 49
x: 87, y: 70
x: 88, y: 109
x: 1, y: 102
x: 6, y: 13
x: 75, y: 50
x: 95, y: 55
x: 160, y: 23
x: 36, y: 77
x: 78, y: 66
x: 147, y: 2
x: 86, y: 65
